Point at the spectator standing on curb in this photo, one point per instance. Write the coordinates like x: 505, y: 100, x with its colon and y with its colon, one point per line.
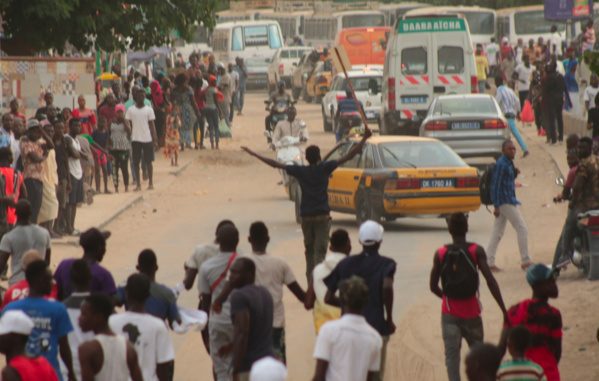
x: 120, y: 147
x: 349, y: 348
x: 553, y: 91
x: 510, y: 106
x: 32, y: 156
x: 243, y: 75
x: 457, y: 266
x: 86, y: 116
x: 541, y: 319
x: 49, y: 209
x: 252, y: 316
x: 106, y: 357
x: 63, y: 176
x: 15, y: 329
x: 503, y: 195
x: 314, y: 209
x: 378, y: 273
x: 75, y: 194
x: 225, y: 85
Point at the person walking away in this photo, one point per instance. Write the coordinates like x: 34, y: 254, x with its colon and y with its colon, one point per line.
x: 482, y: 362
x: 507, y: 67
x: 234, y: 90
x: 457, y: 266
x: 143, y: 137
x: 182, y: 97
x: 52, y: 324
x: 554, y: 89
x: 510, y: 106
x: 23, y: 237
x: 148, y: 334
x: 93, y: 242
x: 15, y: 329
x: 570, y: 66
x: 591, y: 92
x: 505, y: 49
x: 162, y: 302
x: 345, y: 105
x: 378, y: 272
x: 200, y: 254
x: 252, y: 316
x: 211, y: 111
x: 482, y: 69
x: 173, y: 138
x: 86, y: 116
x: 542, y: 319
x: 272, y: 273
x: 119, y: 146
x: 101, y: 136
x: 519, y: 51
x: 492, y: 53
x: 349, y: 348
x: 159, y: 106
x: 588, y: 39
x: 20, y: 290
x: 80, y: 279
x: 503, y: 195
x: 519, y: 367
x: 536, y: 98
x: 32, y: 156
x: 243, y: 75
x: 524, y: 71
x: 339, y: 249
x: 554, y: 44
x: 218, y: 335
x: 314, y: 208
x: 49, y: 210
x: 106, y: 356
x: 75, y: 194
x: 226, y: 86
x: 63, y: 176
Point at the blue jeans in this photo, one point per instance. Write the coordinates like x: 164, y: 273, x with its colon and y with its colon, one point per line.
x: 512, y: 124
x: 212, y: 120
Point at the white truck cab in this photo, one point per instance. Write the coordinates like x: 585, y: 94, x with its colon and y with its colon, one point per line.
x: 427, y: 56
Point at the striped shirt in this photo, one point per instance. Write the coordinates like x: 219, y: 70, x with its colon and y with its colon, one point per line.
x: 503, y: 183
x: 520, y: 370
x: 508, y: 101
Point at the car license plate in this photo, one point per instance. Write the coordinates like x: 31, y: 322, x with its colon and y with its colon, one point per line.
x: 465, y: 126
x: 437, y: 183
x: 414, y: 99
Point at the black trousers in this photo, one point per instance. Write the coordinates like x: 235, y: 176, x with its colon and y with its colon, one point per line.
x: 35, y: 191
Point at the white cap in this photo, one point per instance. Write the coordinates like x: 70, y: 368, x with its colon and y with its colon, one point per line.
x: 268, y: 369
x: 15, y: 322
x: 504, y: 39
x: 370, y: 233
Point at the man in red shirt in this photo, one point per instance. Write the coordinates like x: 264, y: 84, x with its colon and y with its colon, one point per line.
x: 542, y: 320
x: 15, y: 328
x: 20, y: 290
x: 457, y: 265
x: 14, y: 110
x: 108, y: 110
x: 13, y: 180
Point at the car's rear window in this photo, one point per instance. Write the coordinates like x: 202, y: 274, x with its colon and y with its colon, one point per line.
x: 415, y: 154
x: 285, y: 54
x: 464, y: 105
x: 414, y: 61
x: 359, y: 83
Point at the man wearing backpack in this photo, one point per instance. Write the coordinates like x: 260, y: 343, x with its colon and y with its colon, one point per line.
x: 457, y: 265
x: 503, y: 196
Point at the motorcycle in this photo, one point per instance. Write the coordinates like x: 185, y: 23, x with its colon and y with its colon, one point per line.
x: 348, y: 124
x: 586, y: 245
x: 278, y: 112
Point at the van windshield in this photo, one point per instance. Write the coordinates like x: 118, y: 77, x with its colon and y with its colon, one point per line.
x: 451, y: 60
x: 533, y: 22
x: 359, y: 83
x: 414, y: 61
x: 465, y: 106
x: 256, y: 35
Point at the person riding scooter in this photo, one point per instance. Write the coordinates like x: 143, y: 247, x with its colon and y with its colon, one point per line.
x: 275, y: 98
x: 347, y: 115
x: 290, y: 127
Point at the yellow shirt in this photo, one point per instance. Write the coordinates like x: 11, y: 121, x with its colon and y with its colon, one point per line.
x: 482, y: 66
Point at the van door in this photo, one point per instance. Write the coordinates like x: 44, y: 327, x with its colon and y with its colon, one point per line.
x: 414, y: 90
x: 451, y: 69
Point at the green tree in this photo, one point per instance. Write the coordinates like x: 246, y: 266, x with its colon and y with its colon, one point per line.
x: 36, y: 25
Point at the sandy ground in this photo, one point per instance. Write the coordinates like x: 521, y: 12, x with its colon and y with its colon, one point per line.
x: 229, y: 184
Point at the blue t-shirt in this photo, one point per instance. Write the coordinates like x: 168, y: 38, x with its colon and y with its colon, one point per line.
x: 314, y: 182
x: 348, y: 105
x: 51, y: 323
x: 161, y: 303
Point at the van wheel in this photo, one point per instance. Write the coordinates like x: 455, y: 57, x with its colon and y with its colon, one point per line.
x: 365, y: 209
x: 328, y: 126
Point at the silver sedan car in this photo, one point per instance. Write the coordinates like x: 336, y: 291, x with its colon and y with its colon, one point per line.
x: 471, y: 124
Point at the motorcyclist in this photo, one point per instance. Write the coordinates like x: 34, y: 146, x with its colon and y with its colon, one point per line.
x: 345, y: 105
x: 278, y: 96
x: 290, y: 127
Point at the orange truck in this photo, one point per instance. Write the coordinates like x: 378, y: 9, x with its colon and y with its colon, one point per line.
x: 364, y: 46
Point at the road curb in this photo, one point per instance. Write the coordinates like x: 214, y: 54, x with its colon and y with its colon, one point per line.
x: 542, y: 146
x: 182, y: 168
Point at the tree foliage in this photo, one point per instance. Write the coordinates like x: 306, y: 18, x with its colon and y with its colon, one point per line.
x: 109, y: 25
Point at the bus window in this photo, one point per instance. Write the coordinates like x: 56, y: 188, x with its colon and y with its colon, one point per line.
x: 274, y: 39
x: 354, y: 21
x: 480, y: 22
x: 533, y: 22
x: 451, y: 60
x: 236, y: 39
x: 256, y: 35
x: 503, y: 26
x: 414, y: 61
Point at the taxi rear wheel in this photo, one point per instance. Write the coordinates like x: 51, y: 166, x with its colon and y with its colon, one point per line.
x: 365, y: 209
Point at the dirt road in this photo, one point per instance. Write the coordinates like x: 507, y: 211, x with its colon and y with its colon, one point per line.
x: 230, y: 184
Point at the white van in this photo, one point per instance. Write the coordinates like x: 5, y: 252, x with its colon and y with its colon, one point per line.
x: 427, y: 56
x: 247, y: 39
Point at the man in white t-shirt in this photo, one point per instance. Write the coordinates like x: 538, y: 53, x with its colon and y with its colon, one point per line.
x: 492, y: 51
x: 554, y: 43
x: 145, y: 332
x: 590, y: 92
x: 143, y: 136
x: 524, y: 71
x: 348, y: 348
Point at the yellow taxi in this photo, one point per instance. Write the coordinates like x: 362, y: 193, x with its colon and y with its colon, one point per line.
x: 401, y: 176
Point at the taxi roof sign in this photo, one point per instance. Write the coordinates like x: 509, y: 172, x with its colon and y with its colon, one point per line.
x: 427, y: 25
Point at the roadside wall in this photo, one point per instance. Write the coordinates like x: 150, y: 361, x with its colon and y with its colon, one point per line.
x: 28, y: 78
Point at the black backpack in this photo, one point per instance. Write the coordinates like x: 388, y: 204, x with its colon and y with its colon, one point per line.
x: 484, y: 186
x: 459, y: 275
